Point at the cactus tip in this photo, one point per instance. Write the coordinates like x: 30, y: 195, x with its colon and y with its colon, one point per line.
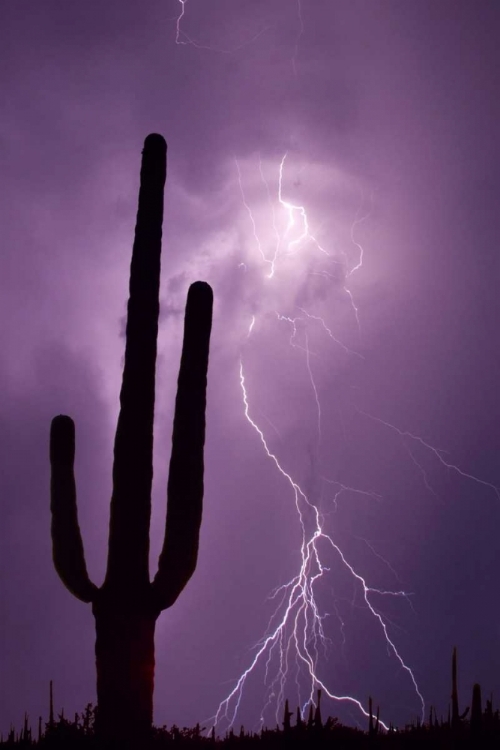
x: 155, y: 141
x: 201, y: 289
x: 62, y: 439
x: 63, y: 421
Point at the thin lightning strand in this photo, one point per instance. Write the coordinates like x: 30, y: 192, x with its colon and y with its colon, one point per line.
x: 273, y: 214
x: 181, y: 38
x: 315, y: 390
x: 354, y: 307
x: 436, y: 451
x: 357, y: 220
x: 251, y: 326
x: 273, y: 426
x: 330, y: 334
x: 386, y: 562
x: 346, y: 488
x: 178, y: 23
x: 254, y: 226
x: 422, y: 471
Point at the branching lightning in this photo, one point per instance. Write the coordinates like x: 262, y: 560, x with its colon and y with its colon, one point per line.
x: 295, y: 638
x: 299, y: 633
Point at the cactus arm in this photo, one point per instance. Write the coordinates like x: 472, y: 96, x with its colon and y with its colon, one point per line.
x: 128, y: 549
x: 178, y: 558
x: 67, y: 546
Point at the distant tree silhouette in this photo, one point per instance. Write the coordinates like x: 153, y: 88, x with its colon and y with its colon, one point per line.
x: 127, y: 604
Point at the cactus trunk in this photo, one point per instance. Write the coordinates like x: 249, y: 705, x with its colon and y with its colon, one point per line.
x: 125, y: 662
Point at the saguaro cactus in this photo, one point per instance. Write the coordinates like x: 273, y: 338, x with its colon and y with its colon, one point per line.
x: 127, y: 604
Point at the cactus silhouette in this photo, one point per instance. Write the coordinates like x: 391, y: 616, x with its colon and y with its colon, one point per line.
x: 476, y: 713
x: 127, y: 604
x: 455, y: 717
x: 287, y: 715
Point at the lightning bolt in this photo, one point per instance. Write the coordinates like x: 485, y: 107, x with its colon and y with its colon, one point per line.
x: 290, y: 649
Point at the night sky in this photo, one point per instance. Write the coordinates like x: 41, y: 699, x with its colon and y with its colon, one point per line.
x: 356, y: 334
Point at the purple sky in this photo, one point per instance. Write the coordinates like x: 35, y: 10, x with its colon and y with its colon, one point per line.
x: 388, y: 115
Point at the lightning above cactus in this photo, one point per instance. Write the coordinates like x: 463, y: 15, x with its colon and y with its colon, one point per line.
x: 290, y: 649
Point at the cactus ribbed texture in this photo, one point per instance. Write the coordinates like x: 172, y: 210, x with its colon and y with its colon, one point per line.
x: 127, y: 605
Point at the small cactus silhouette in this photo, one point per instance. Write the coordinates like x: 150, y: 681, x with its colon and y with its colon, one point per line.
x: 318, y: 723
x: 127, y: 604
x: 455, y: 716
x: 476, y: 713
x: 287, y: 715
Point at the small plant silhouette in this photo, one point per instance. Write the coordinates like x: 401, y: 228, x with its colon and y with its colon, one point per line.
x: 127, y: 604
